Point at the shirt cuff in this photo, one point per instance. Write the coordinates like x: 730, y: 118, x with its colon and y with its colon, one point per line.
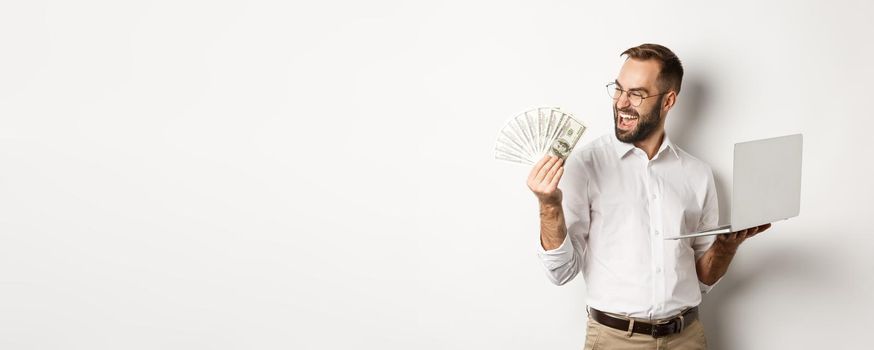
x: 705, y: 288
x: 554, y: 258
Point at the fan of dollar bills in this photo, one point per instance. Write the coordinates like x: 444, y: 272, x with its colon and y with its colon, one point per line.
x: 532, y: 134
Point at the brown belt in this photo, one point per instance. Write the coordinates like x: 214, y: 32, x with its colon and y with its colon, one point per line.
x: 656, y: 330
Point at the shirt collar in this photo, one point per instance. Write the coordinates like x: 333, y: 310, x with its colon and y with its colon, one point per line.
x: 620, y: 147
x: 623, y: 148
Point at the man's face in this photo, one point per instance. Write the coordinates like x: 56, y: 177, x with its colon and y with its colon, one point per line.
x: 634, y: 124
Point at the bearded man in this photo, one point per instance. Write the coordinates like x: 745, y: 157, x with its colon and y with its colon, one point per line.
x: 621, y: 194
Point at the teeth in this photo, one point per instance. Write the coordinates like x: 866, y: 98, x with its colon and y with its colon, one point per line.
x: 627, y: 117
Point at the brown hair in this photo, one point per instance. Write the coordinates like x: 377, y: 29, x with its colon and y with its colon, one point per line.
x: 671, y: 74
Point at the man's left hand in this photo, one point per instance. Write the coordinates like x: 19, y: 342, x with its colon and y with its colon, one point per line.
x: 731, y: 241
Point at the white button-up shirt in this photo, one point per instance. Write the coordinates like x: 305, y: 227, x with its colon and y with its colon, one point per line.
x: 618, y: 205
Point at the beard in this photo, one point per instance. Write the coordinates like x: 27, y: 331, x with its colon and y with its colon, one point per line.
x: 646, y: 123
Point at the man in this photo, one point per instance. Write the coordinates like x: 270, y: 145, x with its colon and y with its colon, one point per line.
x: 622, y: 193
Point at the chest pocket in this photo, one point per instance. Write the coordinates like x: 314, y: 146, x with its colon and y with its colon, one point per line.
x: 616, y: 223
x: 682, y: 210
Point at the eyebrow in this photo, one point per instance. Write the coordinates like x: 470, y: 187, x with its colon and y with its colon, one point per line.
x: 632, y: 89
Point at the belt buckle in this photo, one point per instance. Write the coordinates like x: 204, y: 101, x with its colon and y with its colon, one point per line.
x: 677, y: 325
x: 654, y: 327
x: 652, y: 331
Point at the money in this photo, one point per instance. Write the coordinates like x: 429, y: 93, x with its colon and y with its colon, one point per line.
x: 568, y: 136
x: 530, y: 135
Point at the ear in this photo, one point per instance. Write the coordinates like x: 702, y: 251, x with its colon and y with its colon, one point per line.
x: 669, y: 101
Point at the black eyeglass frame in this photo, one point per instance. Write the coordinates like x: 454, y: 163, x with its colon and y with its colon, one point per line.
x: 613, y: 87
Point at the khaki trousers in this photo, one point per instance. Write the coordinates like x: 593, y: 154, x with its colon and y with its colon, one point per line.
x: 599, y: 336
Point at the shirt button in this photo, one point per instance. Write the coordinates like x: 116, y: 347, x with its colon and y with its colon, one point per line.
x: 658, y: 270
x: 657, y: 232
x: 653, y: 196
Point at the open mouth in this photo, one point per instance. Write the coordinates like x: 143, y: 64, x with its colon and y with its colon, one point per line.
x: 627, y: 121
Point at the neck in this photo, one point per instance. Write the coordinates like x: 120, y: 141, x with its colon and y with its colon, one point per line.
x: 651, y: 144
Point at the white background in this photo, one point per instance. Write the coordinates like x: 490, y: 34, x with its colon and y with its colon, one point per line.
x: 320, y: 175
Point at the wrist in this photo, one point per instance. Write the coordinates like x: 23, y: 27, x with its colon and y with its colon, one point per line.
x: 550, y: 206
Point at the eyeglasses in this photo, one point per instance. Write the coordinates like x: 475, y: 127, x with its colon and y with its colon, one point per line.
x: 634, y: 97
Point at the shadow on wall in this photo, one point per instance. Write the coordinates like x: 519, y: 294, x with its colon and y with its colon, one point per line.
x: 686, y: 122
x: 790, y: 263
x: 739, y: 284
x: 690, y: 111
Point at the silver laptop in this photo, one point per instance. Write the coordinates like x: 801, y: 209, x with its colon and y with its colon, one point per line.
x: 767, y: 184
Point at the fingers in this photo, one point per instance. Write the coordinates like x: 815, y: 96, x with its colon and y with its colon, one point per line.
x: 742, y: 235
x: 537, y: 167
x: 554, y: 182
x: 759, y: 229
x: 544, y: 170
x: 552, y: 170
x: 547, y: 168
x: 544, y: 177
x: 738, y: 237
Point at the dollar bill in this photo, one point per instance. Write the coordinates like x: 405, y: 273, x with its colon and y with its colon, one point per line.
x: 568, y: 135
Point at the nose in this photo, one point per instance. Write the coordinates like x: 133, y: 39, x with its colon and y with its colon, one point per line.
x: 623, y: 101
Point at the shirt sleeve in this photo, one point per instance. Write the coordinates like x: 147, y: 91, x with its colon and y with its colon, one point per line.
x: 709, y: 220
x: 562, y: 264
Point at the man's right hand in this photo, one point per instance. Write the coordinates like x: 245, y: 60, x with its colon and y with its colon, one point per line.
x: 543, y: 180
